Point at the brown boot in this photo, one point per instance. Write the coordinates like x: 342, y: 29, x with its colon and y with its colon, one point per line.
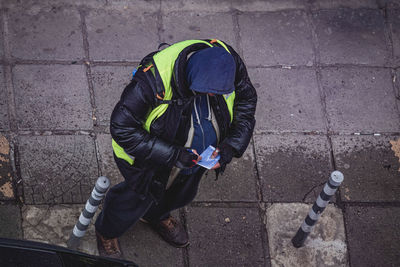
x: 172, y: 231
x: 108, y: 247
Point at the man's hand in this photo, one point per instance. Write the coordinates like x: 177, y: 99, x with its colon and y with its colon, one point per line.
x: 226, y: 153
x: 187, y: 159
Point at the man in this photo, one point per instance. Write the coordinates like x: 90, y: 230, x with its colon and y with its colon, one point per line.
x: 181, y: 99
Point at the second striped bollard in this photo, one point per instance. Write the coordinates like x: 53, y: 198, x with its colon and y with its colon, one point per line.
x: 97, y: 195
x: 319, y: 206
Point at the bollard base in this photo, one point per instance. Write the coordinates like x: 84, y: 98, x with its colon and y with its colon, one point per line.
x: 73, y: 242
x: 299, y: 238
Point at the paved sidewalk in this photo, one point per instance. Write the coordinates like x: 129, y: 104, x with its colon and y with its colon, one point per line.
x: 327, y: 75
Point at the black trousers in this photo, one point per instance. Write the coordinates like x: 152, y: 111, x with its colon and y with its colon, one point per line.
x: 123, y: 207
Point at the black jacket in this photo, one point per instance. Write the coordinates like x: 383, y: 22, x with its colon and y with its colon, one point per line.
x: 157, y: 152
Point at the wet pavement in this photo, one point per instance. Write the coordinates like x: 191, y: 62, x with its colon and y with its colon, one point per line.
x: 327, y: 75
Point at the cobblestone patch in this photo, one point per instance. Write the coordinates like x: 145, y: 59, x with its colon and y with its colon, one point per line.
x: 57, y: 169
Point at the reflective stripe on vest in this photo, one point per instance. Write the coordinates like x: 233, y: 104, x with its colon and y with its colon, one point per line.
x: 165, y: 61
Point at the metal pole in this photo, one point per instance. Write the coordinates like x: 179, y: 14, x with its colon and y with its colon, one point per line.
x: 319, y: 206
x: 97, y: 195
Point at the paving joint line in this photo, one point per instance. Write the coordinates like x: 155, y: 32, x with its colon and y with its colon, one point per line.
x: 82, y: 14
x: 261, y: 207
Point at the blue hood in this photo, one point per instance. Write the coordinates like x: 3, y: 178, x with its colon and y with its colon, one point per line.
x: 211, y: 70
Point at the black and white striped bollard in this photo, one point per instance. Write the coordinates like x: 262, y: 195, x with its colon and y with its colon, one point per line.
x: 97, y: 195
x: 319, y: 206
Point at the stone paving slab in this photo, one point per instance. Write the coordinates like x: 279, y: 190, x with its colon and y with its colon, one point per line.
x: 371, y: 167
x: 10, y: 221
x: 109, y: 83
x: 288, y: 100
x: 145, y: 247
x: 394, y: 24
x: 121, y: 34
x: 325, y: 246
x: 292, y: 167
x: 355, y: 4
x: 6, y: 177
x: 360, y: 100
x: 45, y: 32
x: 238, y: 183
x: 351, y: 36
x: 373, y: 235
x: 180, y: 26
x: 275, y: 36
x: 52, y: 97
x: 226, y: 5
x: 108, y: 166
x: 54, y: 224
x: 57, y: 169
x: 4, y: 125
x: 225, y: 237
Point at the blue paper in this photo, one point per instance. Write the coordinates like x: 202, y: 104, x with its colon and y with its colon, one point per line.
x: 206, y: 160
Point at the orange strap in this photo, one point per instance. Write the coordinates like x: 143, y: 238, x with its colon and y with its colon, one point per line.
x: 149, y: 67
x: 213, y: 41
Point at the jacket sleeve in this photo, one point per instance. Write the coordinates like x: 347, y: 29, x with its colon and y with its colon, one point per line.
x: 244, y: 108
x: 127, y: 130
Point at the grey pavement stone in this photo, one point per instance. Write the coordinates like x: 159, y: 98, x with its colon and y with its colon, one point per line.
x: 370, y: 166
x: 225, y: 237
x: 288, y: 100
x: 52, y: 97
x: 351, y: 36
x: 51, y: 32
x: 238, y: 183
x: 328, y: 4
x: 108, y: 166
x: 57, y: 169
x: 325, y: 246
x: 54, y: 224
x: 193, y: 5
x: 396, y: 81
x: 360, y: 100
x: 373, y: 235
x: 36, y: 5
x: 265, y: 6
x: 280, y: 38
x: 3, y: 102
x: 179, y: 26
x: 292, y: 167
x: 394, y: 23
x: 226, y: 6
x: 144, y: 247
x: 109, y: 82
x: 6, y: 178
x: 10, y: 221
x: 121, y: 34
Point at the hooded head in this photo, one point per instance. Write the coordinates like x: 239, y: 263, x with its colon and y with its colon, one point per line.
x: 211, y: 70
